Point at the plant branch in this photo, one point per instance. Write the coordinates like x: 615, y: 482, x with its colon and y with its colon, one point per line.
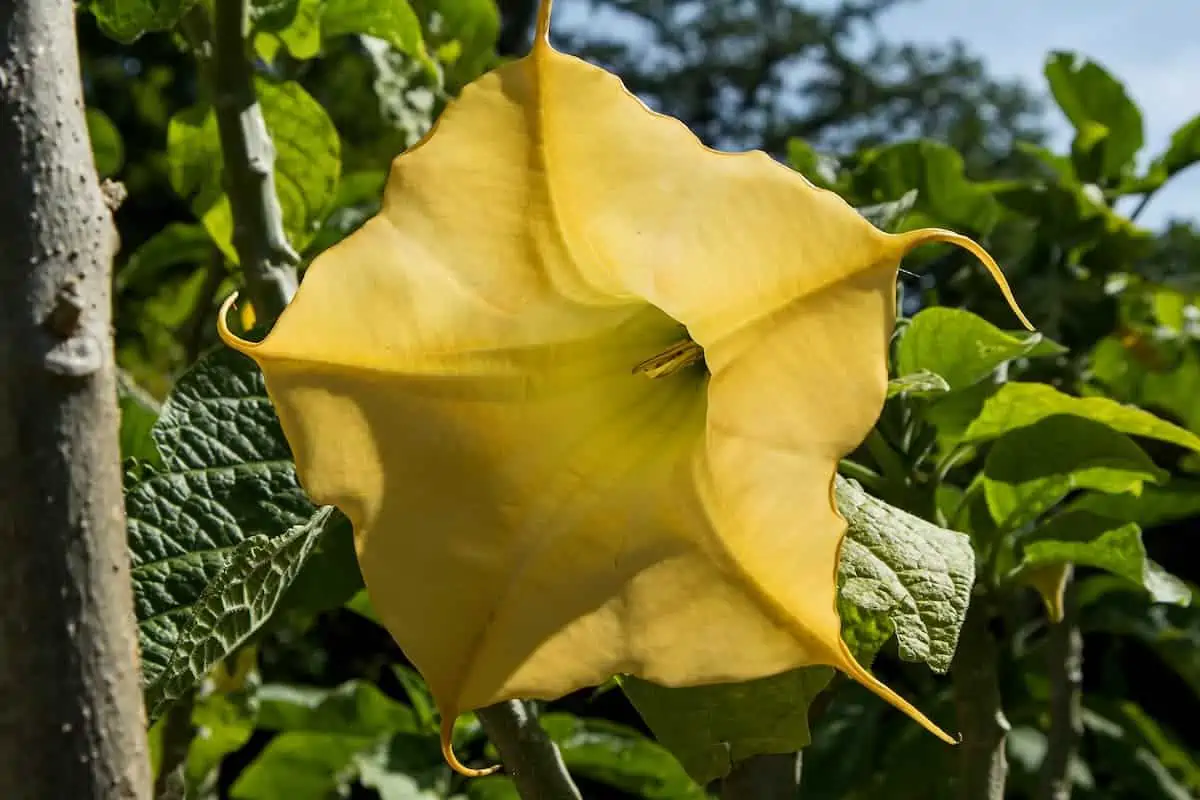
x: 266, y: 257
x: 529, y: 756
x: 1066, y: 699
x: 983, y: 766
x: 765, y: 777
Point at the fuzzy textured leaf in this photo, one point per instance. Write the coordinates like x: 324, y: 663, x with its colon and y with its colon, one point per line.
x: 127, y: 20
x: 898, y: 574
x: 226, y: 477
x: 239, y: 600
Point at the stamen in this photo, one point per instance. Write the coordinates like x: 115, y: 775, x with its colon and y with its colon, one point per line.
x: 674, y: 358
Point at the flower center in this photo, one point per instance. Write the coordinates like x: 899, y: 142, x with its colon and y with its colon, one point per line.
x: 676, y: 357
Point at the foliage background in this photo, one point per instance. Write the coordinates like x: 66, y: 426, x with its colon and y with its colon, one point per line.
x: 320, y: 703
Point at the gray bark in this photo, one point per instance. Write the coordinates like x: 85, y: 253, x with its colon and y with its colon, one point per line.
x: 530, y: 758
x: 71, y: 724
x: 983, y: 763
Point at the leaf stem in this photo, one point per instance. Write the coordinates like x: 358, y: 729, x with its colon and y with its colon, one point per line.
x: 267, y: 259
x: 983, y: 765
x: 530, y: 757
x: 1066, y: 697
x: 888, y: 460
x: 868, y: 477
x: 764, y: 777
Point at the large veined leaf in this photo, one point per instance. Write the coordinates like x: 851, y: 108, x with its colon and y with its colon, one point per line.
x: 226, y: 478
x: 498, y: 379
x: 898, y: 574
x: 235, y: 604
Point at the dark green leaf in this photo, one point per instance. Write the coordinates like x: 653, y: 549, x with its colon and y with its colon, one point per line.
x: 1108, y: 124
x: 960, y: 346
x: 227, y: 476
x: 126, y: 20
x: 1016, y: 405
x: 898, y: 574
x: 464, y: 33
x: 237, y: 602
x: 1156, y: 505
x: 890, y: 216
x: 819, y: 168
x: 108, y: 149
x: 1031, y: 469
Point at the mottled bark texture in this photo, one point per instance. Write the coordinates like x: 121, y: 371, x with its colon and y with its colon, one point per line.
x: 71, y: 724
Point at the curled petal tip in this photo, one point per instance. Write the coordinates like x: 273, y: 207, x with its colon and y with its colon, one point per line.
x: 227, y: 336
x: 452, y: 760
x: 917, y: 238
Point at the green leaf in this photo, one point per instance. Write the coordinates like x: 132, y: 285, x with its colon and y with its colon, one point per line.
x: 1171, y: 632
x: 1156, y: 505
x: 919, y: 382
x: 463, y: 33
x: 1108, y: 124
x: 1134, y: 767
x: 1031, y: 469
x: 227, y: 475
x: 890, y: 216
x: 302, y: 765
x: 356, y: 708
x: 238, y: 601
x: 295, y: 24
x: 224, y: 725
x: 620, y: 757
x: 710, y: 728
x: 139, y: 412
x: 108, y: 149
x: 391, y: 20
x: 944, y: 194
x: 898, y: 574
x: 1184, y: 149
x: 819, y: 168
x: 1080, y: 537
x: 307, y: 163
x: 126, y: 20
x: 916, y: 573
x: 960, y: 346
x: 1016, y: 405
x: 177, y: 244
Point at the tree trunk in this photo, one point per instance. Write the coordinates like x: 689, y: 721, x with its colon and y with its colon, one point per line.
x: 71, y: 725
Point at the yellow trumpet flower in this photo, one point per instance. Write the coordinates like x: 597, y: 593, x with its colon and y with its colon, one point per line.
x: 582, y: 387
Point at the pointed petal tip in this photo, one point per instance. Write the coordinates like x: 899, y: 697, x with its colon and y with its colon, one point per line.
x: 227, y: 336
x: 452, y: 760
x: 913, y: 239
x: 849, y: 665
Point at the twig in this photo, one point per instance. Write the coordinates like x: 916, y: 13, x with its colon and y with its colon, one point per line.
x: 983, y: 766
x: 1066, y: 699
x: 267, y: 259
x: 765, y: 777
x: 529, y: 757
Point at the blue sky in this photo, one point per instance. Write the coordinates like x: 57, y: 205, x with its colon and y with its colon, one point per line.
x: 1152, y: 46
